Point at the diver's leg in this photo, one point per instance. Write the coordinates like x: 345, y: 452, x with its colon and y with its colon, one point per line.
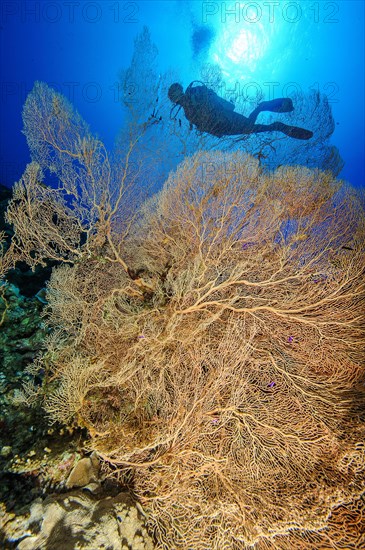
x: 291, y: 131
x: 279, y: 105
x: 223, y: 123
x: 232, y: 124
x: 255, y: 113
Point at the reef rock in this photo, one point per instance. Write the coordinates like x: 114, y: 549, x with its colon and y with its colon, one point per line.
x: 85, y: 471
x: 78, y: 519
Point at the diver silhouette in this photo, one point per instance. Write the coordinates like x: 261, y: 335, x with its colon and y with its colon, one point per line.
x: 212, y: 114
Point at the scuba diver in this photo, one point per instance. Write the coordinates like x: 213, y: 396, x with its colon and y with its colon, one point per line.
x: 212, y: 114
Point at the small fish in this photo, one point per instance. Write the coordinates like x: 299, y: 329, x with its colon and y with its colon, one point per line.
x: 42, y: 296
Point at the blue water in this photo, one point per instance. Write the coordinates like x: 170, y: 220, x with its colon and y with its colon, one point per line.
x: 274, y: 48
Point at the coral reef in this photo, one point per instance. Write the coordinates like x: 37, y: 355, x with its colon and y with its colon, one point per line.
x: 22, y: 334
x: 211, y: 341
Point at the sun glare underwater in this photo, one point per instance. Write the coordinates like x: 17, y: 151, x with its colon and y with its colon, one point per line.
x: 238, y: 51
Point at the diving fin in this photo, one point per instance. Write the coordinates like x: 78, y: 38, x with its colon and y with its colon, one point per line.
x: 291, y: 131
x: 297, y: 133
